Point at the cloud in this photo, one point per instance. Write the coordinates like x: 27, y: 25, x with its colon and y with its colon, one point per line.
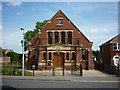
x: 1, y: 27
x: 96, y: 31
x: 19, y: 13
x: 105, y: 30
x: 14, y: 3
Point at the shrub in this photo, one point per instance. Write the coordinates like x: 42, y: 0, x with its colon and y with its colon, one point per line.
x: 14, y: 56
x: 10, y: 71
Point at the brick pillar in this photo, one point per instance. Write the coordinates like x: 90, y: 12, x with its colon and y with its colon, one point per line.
x: 70, y: 56
x: 59, y: 37
x: 90, y: 59
x: 40, y: 59
x: 77, y: 55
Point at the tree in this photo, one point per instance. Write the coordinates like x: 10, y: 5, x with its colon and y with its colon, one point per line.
x: 3, y: 53
x: 96, y: 54
x: 14, y: 56
x: 40, y: 25
x: 31, y: 33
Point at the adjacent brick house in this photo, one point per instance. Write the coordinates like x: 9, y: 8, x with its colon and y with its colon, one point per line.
x: 60, y: 44
x: 110, y: 51
x: 5, y: 59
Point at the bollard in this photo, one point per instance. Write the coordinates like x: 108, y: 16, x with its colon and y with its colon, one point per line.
x: 63, y: 71
x: 81, y: 70
x: 33, y: 72
x: 53, y: 71
x: 118, y: 71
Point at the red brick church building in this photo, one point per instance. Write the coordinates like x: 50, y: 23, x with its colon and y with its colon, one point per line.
x: 60, y: 44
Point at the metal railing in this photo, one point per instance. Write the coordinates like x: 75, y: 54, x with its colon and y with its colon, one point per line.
x: 76, y: 70
x: 110, y: 69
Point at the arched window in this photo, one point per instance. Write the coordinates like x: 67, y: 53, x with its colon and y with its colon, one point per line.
x: 49, y: 55
x: 44, y: 56
x: 69, y: 37
x: 56, y: 37
x: 63, y: 37
x: 67, y: 56
x: 49, y: 37
x: 84, y: 54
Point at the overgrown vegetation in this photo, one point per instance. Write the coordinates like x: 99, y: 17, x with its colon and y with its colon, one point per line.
x: 12, y: 69
x: 3, y: 53
x: 96, y: 54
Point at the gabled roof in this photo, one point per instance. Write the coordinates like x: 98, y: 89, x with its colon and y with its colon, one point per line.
x: 113, y: 40
x: 68, y: 20
x: 72, y: 24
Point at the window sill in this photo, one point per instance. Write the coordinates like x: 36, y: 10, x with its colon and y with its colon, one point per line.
x: 59, y: 24
x: 116, y: 50
x: 67, y: 60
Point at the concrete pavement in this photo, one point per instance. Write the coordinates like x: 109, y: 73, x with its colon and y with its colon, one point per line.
x: 64, y: 78
x: 90, y: 79
x: 67, y: 73
x: 88, y: 75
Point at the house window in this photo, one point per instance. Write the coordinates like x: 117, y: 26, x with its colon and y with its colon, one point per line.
x: 49, y: 55
x: 44, y: 56
x: 49, y: 37
x: 56, y: 37
x: 116, y: 46
x: 67, y: 56
x: 69, y: 37
x: 59, y: 21
x: 63, y: 37
x: 36, y: 54
x: 119, y: 46
x: 73, y: 56
x: 84, y: 54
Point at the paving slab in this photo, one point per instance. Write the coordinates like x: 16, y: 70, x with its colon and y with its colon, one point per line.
x: 67, y: 73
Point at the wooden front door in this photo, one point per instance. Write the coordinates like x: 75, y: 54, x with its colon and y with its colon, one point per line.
x: 58, y: 60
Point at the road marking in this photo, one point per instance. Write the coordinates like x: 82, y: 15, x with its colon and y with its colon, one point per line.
x: 93, y: 81
x: 61, y: 80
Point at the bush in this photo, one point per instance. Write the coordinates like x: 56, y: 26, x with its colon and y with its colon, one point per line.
x: 10, y: 71
x: 14, y: 56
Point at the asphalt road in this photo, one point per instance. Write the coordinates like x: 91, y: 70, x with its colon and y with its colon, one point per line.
x: 58, y: 84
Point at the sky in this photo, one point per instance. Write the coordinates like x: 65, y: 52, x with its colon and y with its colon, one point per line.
x: 98, y: 21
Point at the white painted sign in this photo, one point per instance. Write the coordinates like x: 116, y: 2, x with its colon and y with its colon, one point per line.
x: 116, y: 59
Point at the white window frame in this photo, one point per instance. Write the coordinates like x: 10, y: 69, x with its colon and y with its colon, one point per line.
x: 117, y: 47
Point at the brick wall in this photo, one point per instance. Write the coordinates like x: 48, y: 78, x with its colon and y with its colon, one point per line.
x: 6, y: 59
